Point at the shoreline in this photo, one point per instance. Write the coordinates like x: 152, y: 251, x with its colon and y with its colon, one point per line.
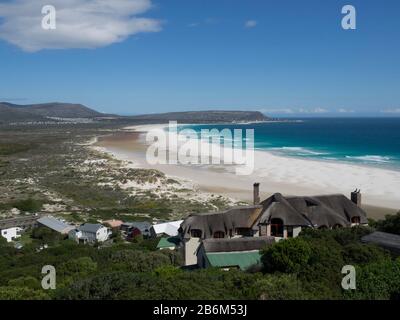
x: 288, y: 176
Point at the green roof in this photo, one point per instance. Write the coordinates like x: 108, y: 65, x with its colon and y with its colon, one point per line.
x: 243, y: 260
x: 168, y: 242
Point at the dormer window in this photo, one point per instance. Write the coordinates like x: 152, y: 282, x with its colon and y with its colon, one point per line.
x: 219, y: 234
x: 245, y: 232
x: 355, y: 220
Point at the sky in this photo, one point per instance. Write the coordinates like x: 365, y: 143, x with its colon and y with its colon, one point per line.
x: 281, y: 57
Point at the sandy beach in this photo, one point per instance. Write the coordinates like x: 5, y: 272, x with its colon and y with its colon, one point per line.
x: 289, y: 176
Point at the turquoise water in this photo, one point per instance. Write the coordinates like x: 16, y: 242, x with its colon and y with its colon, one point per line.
x: 367, y: 141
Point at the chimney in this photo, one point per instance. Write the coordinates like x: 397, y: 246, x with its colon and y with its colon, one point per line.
x: 256, y: 193
x: 356, y: 197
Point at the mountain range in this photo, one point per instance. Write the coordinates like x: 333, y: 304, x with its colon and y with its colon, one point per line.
x: 14, y: 113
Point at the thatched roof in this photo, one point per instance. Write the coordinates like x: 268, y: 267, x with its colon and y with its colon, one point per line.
x: 317, y: 211
x: 209, y: 223
x: 237, y: 244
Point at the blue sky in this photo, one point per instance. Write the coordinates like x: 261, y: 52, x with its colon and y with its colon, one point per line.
x: 285, y: 57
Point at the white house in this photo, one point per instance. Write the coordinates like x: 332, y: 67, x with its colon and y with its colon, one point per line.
x: 11, y: 233
x: 90, y: 233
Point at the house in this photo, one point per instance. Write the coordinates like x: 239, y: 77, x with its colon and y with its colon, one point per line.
x: 90, y: 233
x: 239, y: 253
x: 55, y: 224
x: 137, y: 228
x: 169, y: 228
x: 170, y: 243
x: 278, y: 216
x: 11, y: 234
x: 114, y: 224
x: 388, y: 241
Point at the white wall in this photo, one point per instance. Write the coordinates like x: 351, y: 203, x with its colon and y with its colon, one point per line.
x: 190, y: 247
x: 11, y: 233
x: 102, y: 234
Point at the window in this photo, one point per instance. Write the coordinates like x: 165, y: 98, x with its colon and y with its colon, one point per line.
x: 219, y: 234
x: 355, y: 220
x: 246, y: 232
x: 337, y: 226
x: 276, y: 227
x: 289, y: 232
x: 195, y: 233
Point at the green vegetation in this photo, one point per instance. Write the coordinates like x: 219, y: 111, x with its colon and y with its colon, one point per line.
x: 307, y: 267
x: 390, y: 224
x: 12, y: 148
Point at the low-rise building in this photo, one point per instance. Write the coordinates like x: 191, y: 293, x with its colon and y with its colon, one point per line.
x: 55, y: 224
x: 113, y: 223
x: 137, y: 228
x: 170, y: 243
x: 11, y: 234
x: 278, y: 216
x: 90, y: 233
x: 169, y: 229
x: 240, y: 253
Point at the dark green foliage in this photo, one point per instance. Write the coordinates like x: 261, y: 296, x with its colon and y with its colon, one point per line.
x: 22, y: 293
x: 307, y: 267
x: 358, y: 253
x: 46, y: 235
x: 28, y: 205
x: 390, y: 224
x: 318, y: 256
x: 289, y: 256
x: 277, y: 287
x: 377, y: 281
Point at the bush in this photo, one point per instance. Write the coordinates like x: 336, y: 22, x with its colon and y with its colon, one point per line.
x: 390, y: 224
x: 28, y: 205
x: 288, y: 256
x: 277, y: 287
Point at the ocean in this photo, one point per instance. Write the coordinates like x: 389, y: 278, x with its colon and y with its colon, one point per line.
x: 366, y: 141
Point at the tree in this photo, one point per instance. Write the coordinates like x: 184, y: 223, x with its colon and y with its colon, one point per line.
x: 22, y: 293
x: 277, y: 287
x: 288, y: 256
x: 377, y: 281
x: 390, y: 224
x: 27, y: 282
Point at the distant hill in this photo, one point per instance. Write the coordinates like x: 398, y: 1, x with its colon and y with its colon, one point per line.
x: 14, y: 113
x: 60, y: 110
x: 42, y: 112
x: 9, y: 114
x: 210, y: 116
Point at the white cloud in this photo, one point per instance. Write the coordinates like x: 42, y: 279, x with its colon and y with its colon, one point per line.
x: 80, y: 23
x: 396, y: 110
x: 272, y: 110
x: 342, y: 110
x: 250, y: 23
x: 293, y: 110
